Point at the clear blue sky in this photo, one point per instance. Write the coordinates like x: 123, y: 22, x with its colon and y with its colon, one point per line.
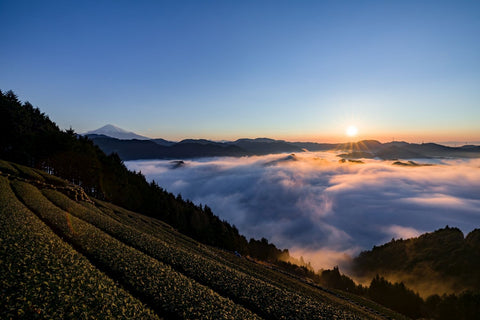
x: 230, y: 69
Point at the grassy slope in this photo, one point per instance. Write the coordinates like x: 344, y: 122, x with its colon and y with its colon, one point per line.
x: 149, y: 263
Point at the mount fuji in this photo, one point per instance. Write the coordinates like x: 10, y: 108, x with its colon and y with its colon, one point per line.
x: 115, y: 132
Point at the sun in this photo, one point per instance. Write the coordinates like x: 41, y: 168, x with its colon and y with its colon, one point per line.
x: 352, y: 131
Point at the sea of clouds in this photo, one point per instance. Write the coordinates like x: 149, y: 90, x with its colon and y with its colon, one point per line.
x: 322, y: 209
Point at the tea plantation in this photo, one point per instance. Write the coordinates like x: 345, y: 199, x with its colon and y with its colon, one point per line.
x: 65, y: 255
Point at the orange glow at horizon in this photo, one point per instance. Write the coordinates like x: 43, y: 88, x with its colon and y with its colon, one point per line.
x: 330, y: 135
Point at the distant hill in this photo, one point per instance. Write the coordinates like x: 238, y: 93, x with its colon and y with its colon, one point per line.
x: 262, y: 146
x: 163, y: 142
x: 290, y: 158
x: 393, y: 150
x: 404, y: 150
x: 196, y: 149
x: 134, y: 149
x: 129, y: 149
x: 313, y: 146
x: 360, y: 146
x: 443, y: 259
x: 159, y: 149
x: 112, y: 131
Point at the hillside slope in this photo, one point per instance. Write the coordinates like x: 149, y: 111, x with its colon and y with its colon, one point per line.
x: 57, y: 239
x: 435, y: 262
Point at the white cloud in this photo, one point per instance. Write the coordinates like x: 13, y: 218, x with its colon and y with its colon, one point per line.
x: 319, y: 205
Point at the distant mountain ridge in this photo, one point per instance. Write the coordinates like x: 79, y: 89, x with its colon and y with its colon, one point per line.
x: 404, y: 150
x: 130, y: 146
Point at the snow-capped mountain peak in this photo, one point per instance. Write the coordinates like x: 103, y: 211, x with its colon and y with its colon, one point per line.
x: 116, y: 132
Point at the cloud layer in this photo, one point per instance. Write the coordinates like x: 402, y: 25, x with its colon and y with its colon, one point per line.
x: 324, y: 210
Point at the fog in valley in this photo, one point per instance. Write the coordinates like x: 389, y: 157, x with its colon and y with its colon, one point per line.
x: 321, y: 208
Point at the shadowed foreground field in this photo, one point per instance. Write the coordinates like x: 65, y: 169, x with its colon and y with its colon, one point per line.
x: 64, y: 255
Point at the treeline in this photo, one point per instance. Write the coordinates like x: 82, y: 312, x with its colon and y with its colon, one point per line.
x: 444, y: 257
x: 29, y: 137
x: 401, y: 299
x: 445, y: 254
x: 396, y: 296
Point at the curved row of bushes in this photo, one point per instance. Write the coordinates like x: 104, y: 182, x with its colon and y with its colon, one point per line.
x: 43, y: 277
x: 166, y: 290
x: 264, y: 298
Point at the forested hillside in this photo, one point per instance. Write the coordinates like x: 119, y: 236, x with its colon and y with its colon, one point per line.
x: 444, y: 258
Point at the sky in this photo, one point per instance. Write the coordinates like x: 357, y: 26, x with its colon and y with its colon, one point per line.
x: 293, y: 70
x: 324, y: 210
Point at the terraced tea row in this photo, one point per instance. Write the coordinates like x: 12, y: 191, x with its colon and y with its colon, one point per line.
x: 168, y: 291
x: 41, y: 276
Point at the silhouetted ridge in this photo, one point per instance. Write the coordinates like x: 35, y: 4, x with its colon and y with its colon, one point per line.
x: 262, y: 146
x: 404, y: 150
x: 473, y: 238
x: 163, y: 149
x: 443, y: 254
x: 196, y: 148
